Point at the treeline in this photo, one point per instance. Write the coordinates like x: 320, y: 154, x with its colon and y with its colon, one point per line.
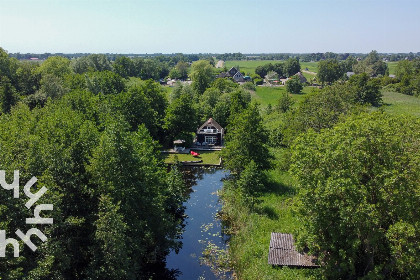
x: 283, y: 69
x: 406, y: 80
x: 175, y: 57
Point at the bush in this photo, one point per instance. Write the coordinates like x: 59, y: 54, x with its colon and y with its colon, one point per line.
x: 249, y: 86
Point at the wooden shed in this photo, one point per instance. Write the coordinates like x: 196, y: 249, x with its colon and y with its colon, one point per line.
x: 282, y: 252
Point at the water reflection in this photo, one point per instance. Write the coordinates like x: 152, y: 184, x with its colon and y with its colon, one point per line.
x: 201, y: 225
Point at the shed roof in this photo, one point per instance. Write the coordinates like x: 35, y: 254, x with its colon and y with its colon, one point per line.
x: 282, y: 251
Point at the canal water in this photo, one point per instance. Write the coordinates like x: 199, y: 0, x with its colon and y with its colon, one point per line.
x: 202, y: 226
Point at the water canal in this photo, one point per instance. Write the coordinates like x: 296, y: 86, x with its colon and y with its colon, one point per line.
x: 202, y: 226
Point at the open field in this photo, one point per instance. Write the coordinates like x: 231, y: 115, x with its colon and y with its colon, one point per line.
x: 401, y: 104
x: 248, y: 66
x: 312, y: 66
x: 271, y: 95
x: 392, y: 66
x: 208, y: 157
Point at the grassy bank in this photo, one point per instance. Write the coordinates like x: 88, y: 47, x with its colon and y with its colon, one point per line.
x: 208, y: 157
x: 401, y: 104
x: 252, y: 229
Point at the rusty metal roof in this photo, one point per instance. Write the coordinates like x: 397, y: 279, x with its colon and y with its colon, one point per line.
x: 282, y: 251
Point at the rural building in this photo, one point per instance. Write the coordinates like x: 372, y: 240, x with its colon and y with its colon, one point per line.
x: 301, y: 77
x: 210, y: 133
x: 282, y: 252
x: 349, y: 74
x: 233, y: 73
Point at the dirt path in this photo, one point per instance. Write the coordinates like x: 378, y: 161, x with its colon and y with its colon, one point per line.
x: 220, y: 64
x: 309, y: 72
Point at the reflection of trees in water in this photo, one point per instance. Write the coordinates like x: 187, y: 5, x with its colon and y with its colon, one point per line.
x: 191, y: 175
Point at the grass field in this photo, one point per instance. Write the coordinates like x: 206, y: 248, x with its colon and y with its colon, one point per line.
x: 272, y: 213
x: 401, y: 104
x: 248, y: 66
x: 392, y: 66
x: 208, y: 157
x: 271, y: 95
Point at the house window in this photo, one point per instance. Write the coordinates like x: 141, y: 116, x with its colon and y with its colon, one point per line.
x: 211, y: 139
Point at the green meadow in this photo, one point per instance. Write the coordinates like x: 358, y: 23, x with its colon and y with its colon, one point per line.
x: 248, y: 66
x: 270, y: 95
x: 400, y: 104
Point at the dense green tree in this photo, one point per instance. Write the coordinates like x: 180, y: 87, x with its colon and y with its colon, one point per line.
x: 105, y: 82
x: 285, y: 102
x: 293, y: 85
x: 246, y: 141
x: 124, y: 66
x: 201, y: 75
x: 359, y: 196
x: 208, y: 101
x: 366, y: 90
x: 251, y: 182
x: 181, y: 119
x: 93, y: 62
x: 55, y: 65
x: 224, y: 85
x: 291, y: 67
x: 8, y: 95
x: 319, y: 111
x: 371, y: 65
x: 182, y: 68
x: 329, y: 71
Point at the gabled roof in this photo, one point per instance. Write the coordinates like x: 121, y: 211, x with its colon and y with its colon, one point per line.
x: 233, y: 71
x: 238, y: 74
x: 282, y: 251
x: 211, y: 122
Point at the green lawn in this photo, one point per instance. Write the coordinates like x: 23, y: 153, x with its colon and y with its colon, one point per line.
x: 392, y: 66
x: 208, y: 157
x: 312, y: 66
x: 401, y: 104
x: 248, y: 66
x: 271, y: 95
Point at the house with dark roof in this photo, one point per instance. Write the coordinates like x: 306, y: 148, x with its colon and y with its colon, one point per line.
x: 210, y: 133
x: 233, y: 73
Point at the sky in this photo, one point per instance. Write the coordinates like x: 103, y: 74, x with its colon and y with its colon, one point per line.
x: 212, y: 26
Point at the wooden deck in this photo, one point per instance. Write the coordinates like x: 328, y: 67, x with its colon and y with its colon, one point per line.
x: 282, y: 252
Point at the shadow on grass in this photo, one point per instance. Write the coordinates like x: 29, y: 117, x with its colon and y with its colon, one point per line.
x: 279, y: 188
x: 267, y: 211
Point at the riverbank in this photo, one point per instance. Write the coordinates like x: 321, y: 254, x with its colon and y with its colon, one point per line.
x: 250, y: 229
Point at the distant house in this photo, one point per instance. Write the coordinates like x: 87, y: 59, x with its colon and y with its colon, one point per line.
x: 210, y: 133
x: 349, y: 74
x: 233, y: 73
x: 392, y: 76
x: 301, y: 77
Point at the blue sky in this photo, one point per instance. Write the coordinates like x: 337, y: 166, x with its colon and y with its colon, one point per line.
x: 193, y: 26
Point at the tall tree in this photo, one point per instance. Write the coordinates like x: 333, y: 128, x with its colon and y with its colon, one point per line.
x: 202, y: 75
x: 359, y: 196
x: 8, y: 96
x: 246, y: 141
